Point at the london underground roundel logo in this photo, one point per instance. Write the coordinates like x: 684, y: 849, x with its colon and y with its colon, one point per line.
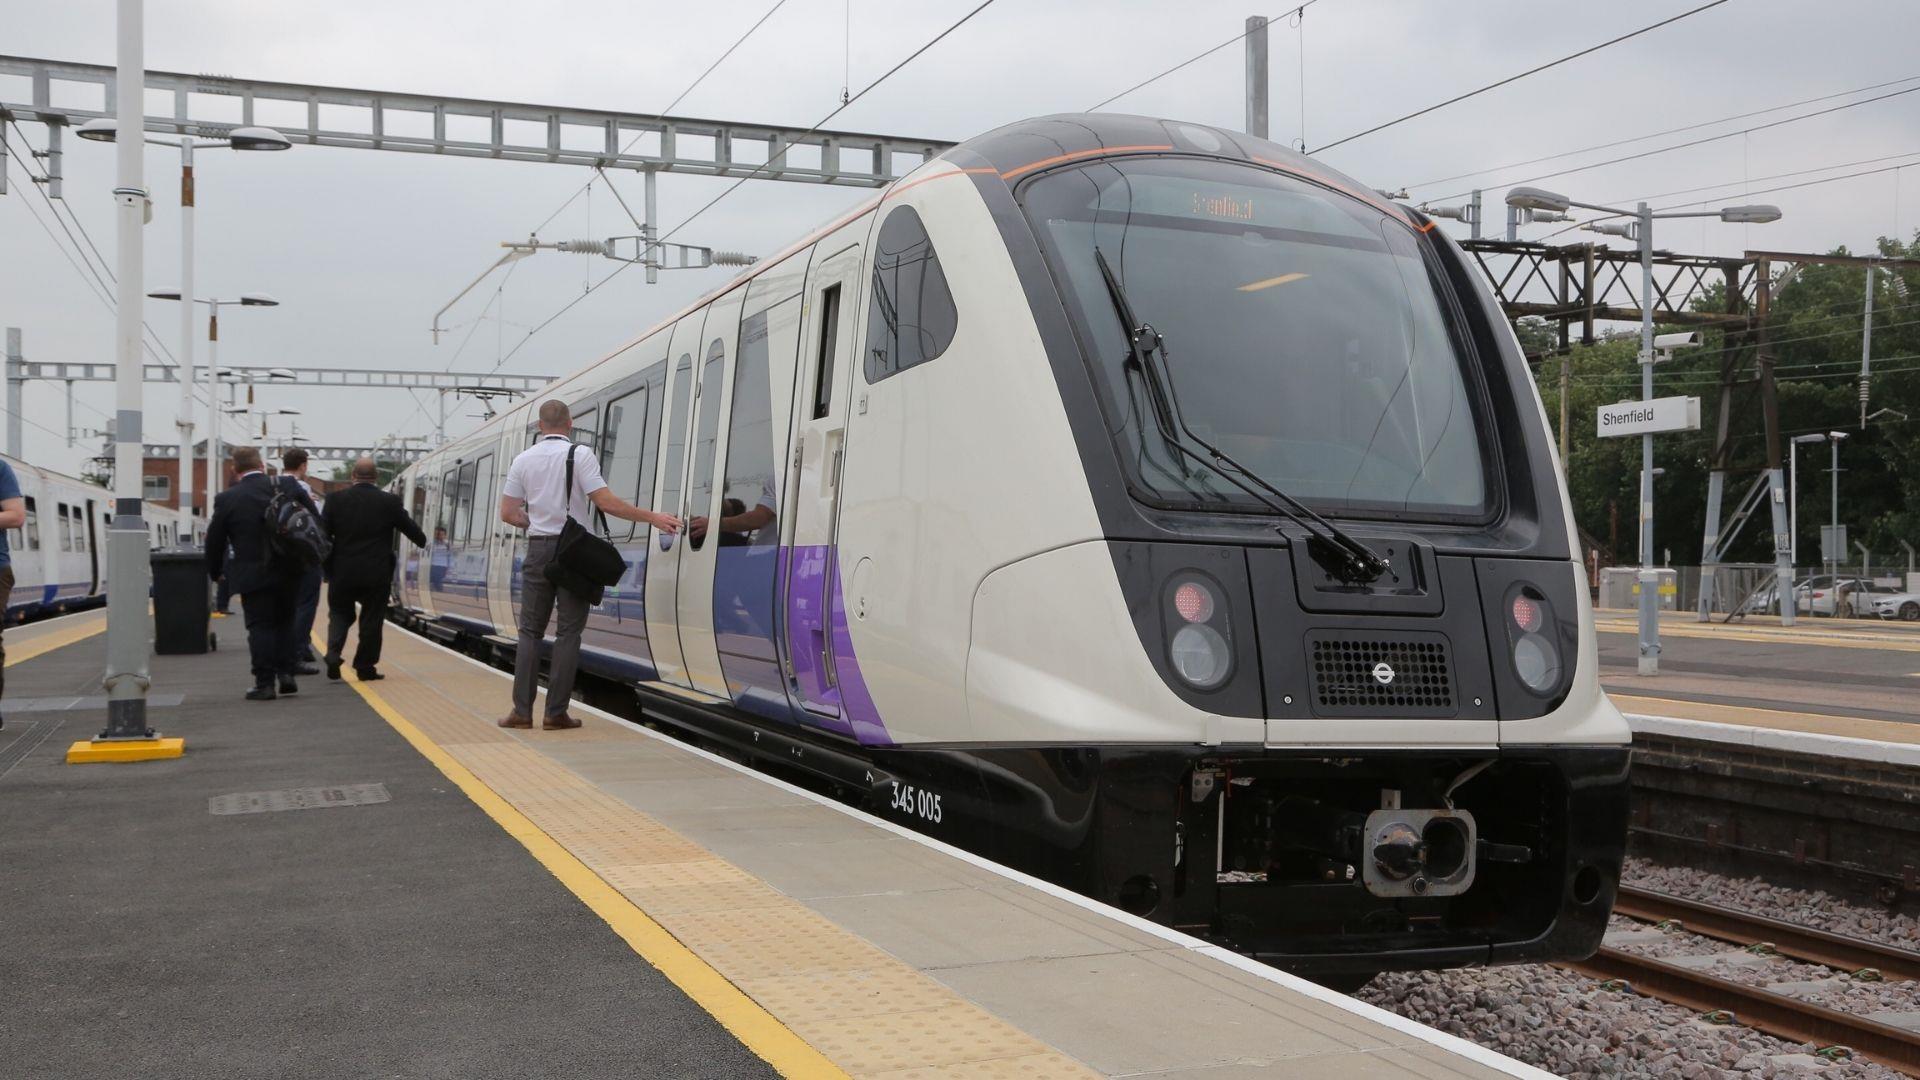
x: 1383, y: 673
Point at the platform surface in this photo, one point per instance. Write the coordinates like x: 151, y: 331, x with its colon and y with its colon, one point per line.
x: 372, y: 879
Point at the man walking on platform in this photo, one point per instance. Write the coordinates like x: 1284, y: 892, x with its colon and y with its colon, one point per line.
x: 13, y: 515
x: 361, y: 522
x: 536, y: 497
x: 294, y: 464
x: 269, y: 587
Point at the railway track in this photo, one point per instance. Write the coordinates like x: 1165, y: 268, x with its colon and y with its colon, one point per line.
x: 1756, y: 1007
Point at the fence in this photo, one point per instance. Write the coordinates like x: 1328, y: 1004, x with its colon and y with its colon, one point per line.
x: 1737, y: 586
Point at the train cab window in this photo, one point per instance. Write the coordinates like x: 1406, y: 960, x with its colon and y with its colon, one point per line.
x: 706, y: 438
x: 624, y: 453
x: 33, y: 526
x: 66, y: 526
x: 829, y: 343
x: 913, y: 318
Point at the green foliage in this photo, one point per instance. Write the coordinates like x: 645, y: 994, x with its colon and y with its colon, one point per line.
x: 1815, y: 331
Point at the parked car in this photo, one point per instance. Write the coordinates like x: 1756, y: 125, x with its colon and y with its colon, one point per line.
x: 1817, y: 595
x: 1892, y: 604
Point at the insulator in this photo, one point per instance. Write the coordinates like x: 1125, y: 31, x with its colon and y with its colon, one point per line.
x: 585, y: 247
x: 734, y: 258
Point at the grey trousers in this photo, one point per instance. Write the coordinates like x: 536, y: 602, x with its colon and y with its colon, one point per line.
x: 537, y: 599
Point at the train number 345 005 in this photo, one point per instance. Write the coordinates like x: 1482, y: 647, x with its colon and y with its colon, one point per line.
x: 917, y: 802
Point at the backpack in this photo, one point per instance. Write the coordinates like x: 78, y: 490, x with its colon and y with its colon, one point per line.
x: 293, y: 532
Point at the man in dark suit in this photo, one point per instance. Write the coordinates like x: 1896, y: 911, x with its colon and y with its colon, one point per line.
x: 268, y: 587
x: 361, y: 522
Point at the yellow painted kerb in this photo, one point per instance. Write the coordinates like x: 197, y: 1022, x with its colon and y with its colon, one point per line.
x: 57, y: 638
x: 87, y: 751
x: 756, y: 1029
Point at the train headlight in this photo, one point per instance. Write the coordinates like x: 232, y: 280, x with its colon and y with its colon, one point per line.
x: 1200, y: 656
x: 1535, y: 661
x: 1201, y: 648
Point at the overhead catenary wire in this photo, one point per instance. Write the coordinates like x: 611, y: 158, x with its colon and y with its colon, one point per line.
x: 1515, y: 78
x: 1651, y: 135
x: 1197, y: 57
x: 755, y: 171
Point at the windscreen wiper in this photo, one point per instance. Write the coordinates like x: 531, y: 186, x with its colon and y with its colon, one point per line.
x: 1333, y: 547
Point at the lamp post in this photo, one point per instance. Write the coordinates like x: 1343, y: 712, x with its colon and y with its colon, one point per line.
x: 106, y: 129
x: 1537, y: 199
x: 1834, y: 439
x: 216, y: 470
x: 1793, y: 458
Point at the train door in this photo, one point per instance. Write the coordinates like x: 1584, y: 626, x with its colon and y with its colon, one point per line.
x: 706, y: 452
x: 502, y: 548
x: 820, y: 426
x: 89, y: 537
x: 439, y: 554
x: 663, y: 566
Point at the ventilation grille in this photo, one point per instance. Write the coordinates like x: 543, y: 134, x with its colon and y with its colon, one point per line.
x: 1348, y: 677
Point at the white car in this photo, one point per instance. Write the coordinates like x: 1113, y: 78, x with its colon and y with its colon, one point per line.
x: 1904, y: 606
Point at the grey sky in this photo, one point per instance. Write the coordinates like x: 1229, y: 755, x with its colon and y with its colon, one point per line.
x: 362, y: 247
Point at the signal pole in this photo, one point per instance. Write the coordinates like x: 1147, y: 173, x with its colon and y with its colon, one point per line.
x: 1256, y: 76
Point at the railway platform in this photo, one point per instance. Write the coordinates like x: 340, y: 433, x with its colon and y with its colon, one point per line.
x: 373, y: 879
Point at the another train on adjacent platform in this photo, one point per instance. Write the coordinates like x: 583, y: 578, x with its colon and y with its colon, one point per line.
x: 1136, y: 503
x: 59, y: 556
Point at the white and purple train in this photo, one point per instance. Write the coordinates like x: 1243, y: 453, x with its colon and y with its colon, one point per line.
x: 1136, y: 503
x: 59, y: 556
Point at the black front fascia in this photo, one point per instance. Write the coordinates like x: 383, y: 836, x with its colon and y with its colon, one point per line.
x: 1531, y: 522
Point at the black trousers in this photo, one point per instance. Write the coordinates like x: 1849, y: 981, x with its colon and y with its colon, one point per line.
x: 270, y: 632
x: 306, y: 608
x: 372, y: 601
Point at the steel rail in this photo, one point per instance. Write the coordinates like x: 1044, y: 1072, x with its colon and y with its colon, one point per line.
x: 1788, y: 939
x: 1775, y: 1014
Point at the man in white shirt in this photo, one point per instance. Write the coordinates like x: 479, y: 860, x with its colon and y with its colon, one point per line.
x: 532, y: 499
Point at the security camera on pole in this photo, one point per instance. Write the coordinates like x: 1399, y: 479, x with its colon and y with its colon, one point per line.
x: 1650, y: 418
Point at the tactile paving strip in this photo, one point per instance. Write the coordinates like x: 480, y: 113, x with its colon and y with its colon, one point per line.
x: 868, y: 1012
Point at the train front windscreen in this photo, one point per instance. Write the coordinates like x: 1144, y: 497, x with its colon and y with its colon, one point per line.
x: 1306, y: 334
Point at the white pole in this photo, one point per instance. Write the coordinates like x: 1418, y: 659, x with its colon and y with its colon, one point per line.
x: 1649, y: 578
x: 187, y: 314
x: 1866, y: 347
x: 128, y: 571
x: 1793, y: 504
x: 216, y: 465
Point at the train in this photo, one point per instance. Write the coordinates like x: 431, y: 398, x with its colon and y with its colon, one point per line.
x: 59, y: 554
x: 1136, y: 503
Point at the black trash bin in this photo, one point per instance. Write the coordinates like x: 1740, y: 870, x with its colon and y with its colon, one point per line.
x: 182, y: 603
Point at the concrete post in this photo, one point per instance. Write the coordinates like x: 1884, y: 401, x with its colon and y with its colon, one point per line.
x: 16, y: 418
x: 1257, y: 76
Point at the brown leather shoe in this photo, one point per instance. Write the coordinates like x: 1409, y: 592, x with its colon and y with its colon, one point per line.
x: 562, y: 722
x: 514, y: 720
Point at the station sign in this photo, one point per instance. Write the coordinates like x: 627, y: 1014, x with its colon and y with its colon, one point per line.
x: 1650, y: 417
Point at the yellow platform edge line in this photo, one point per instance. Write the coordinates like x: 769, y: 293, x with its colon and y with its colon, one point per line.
x: 757, y: 1029
x: 59, y: 639
x: 88, y: 752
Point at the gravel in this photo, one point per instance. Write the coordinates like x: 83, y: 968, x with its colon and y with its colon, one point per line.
x: 1807, y: 907
x: 1567, y: 1024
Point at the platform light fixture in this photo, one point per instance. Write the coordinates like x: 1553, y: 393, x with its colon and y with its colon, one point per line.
x: 249, y: 139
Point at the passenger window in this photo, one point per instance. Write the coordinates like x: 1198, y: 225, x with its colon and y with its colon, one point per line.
x: 586, y: 428
x: 623, y: 449
x: 676, y: 437
x: 33, y: 526
x: 449, y: 487
x: 482, y: 492
x: 705, y: 439
x: 829, y: 343
x: 913, y: 319
x: 79, y: 530
x: 66, y: 527
x: 750, y: 498
x: 462, y: 502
